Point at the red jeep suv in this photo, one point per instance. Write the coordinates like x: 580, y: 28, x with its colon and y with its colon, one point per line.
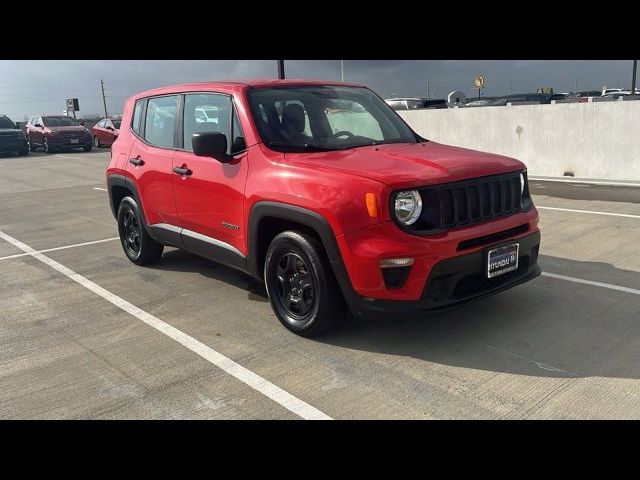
x: 323, y: 192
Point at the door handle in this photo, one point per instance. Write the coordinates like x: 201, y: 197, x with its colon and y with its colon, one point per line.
x: 183, y: 171
x: 138, y: 162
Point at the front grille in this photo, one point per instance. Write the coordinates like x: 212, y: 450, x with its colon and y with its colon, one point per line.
x: 470, y: 202
x: 71, y: 134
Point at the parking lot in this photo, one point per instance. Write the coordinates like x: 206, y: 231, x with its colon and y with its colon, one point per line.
x: 84, y: 333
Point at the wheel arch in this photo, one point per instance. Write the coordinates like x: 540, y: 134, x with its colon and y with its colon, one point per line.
x: 119, y: 187
x: 267, y: 219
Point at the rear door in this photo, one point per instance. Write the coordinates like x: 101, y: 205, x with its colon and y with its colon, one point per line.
x: 149, y: 164
x: 210, y: 199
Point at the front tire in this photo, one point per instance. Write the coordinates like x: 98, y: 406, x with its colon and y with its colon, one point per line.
x: 300, y: 284
x: 87, y: 148
x: 45, y: 146
x: 96, y: 142
x: 139, y: 247
x: 24, y: 152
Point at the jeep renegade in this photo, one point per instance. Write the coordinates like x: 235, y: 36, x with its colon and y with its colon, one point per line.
x: 323, y: 192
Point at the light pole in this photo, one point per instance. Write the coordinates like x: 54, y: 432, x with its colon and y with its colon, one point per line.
x: 280, y: 69
x: 633, y: 79
x: 342, y: 70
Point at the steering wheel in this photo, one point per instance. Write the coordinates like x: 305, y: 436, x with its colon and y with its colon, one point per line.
x: 342, y: 133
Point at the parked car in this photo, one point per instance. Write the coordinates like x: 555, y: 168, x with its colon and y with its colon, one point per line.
x: 590, y: 93
x: 329, y: 210
x: 105, y: 131
x: 607, y: 91
x: 543, y: 98
x: 477, y: 103
x: 57, y: 132
x: 12, y: 138
x: 416, y: 103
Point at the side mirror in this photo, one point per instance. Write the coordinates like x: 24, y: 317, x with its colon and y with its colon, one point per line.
x: 211, y: 144
x: 82, y: 124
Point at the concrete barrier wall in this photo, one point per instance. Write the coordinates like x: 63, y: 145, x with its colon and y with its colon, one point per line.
x: 591, y: 140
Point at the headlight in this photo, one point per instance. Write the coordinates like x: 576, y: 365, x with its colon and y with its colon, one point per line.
x: 522, y: 182
x: 408, y: 206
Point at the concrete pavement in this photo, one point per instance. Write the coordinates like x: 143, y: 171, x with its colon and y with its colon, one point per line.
x: 548, y: 349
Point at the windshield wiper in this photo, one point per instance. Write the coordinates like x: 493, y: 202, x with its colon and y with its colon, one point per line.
x: 307, y: 147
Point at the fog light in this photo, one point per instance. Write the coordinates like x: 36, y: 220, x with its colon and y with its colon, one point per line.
x: 396, y: 262
x: 395, y: 271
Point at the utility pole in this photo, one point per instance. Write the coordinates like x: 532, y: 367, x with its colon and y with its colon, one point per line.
x: 280, y: 69
x: 342, y: 71
x: 428, y: 89
x: 633, y: 79
x: 104, y: 100
x: 576, y: 87
x: 509, y: 87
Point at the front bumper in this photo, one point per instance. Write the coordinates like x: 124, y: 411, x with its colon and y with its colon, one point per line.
x: 58, y: 141
x: 13, y: 145
x: 456, y: 281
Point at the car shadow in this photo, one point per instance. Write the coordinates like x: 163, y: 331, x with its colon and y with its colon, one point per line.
x: 547, y: 327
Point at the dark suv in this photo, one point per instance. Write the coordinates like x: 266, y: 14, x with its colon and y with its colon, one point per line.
x: 55, y: 132
x: 12, y: 139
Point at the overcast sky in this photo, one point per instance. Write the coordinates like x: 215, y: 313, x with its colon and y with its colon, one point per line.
x: 28, y: 87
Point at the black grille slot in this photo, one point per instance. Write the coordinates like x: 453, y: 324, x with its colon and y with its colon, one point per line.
x: 478, y: 282
x: 469, y: 202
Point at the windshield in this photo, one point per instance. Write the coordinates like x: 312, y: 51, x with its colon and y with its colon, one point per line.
x: 59, y: 122
x: 325, y: 118
x: 6, y: 123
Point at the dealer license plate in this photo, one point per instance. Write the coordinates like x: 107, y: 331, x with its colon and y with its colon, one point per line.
x: 502, y: 260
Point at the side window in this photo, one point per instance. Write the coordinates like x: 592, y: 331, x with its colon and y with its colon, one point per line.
x: 101, y: 123
x: 160, y: 121
x: 239, y: 142
x: 137, y: 117
x: 205, y: 112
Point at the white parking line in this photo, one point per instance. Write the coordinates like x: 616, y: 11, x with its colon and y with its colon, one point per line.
x: 255, y: 381
x: 61, y: 248
x: 590, y: 282
x: 627, y: 215
x: 98, y: 188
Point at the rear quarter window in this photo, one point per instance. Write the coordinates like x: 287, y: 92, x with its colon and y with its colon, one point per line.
x: 137, y: 117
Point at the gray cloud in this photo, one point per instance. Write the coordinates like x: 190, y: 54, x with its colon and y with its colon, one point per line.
x: 29, y: 86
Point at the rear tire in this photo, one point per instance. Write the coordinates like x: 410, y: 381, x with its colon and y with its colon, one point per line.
x: 301, y: 286
x: 138, y: 246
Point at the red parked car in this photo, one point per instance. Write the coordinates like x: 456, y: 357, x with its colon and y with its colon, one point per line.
x: 106, y: 131
x: 57, y: 132
x: 324, y: 193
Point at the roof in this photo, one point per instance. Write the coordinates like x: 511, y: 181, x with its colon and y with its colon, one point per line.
x: 236, y: 85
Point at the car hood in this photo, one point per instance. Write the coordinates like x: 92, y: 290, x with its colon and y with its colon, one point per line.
x: 67, y: 129
x: 410, y: 164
